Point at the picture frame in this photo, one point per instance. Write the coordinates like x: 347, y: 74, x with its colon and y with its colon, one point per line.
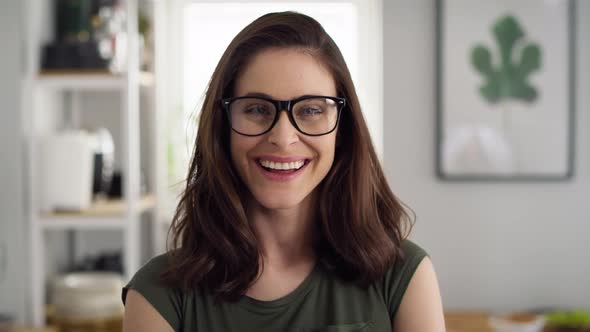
x: 505, y: 90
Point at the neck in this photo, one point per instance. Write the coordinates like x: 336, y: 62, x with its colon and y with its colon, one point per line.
x: 285, y: 235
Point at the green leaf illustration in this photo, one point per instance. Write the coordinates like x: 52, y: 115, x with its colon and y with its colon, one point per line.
x: 510, y: 79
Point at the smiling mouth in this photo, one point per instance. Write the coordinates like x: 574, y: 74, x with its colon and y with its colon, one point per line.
x: 277, y: 167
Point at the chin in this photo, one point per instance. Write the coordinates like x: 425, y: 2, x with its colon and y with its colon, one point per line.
x: 278, y: 201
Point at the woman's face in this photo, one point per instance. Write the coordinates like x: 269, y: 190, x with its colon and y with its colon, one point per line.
x: 283, y: 74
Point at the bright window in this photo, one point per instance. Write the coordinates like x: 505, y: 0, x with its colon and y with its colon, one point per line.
x: 210, y: 27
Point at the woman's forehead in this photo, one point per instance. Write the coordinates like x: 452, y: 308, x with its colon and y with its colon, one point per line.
x: 285, y: 74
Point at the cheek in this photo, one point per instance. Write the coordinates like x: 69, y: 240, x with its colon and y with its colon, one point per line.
x: 233, y: 147
x: 327, y: 151
x: 239, y: 147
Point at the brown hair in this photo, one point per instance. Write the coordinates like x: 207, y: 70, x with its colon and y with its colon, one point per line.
x: 360, y: 222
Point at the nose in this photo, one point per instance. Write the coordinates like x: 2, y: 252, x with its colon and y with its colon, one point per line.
x: 283, y: 133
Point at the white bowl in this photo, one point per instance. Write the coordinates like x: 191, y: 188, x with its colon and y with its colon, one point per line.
x: 504, y: 323
x: 88, y: 295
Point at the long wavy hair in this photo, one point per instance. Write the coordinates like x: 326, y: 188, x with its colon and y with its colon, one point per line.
x: 360, y: 223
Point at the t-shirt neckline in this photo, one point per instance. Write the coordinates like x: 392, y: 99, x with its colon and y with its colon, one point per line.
x: 304, y: 287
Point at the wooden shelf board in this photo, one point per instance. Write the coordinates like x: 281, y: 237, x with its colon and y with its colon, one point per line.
x: 103, y: 223
x: 74, y: 72
x: 88, y: 79
x: 102, y: 214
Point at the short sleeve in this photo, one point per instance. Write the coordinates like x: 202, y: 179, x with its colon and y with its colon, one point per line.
x: 397, y: 279
x: 167, y: 301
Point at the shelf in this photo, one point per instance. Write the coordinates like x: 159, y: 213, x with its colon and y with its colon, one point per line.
x: 80, y: 80
x: 88, y: 79
x: 56, y: 97
x: 103, y: 214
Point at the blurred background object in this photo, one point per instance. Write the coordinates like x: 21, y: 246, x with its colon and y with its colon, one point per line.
x: 68, y: 169
x: 104, y: 161
x: 577, y: 320
x: 90, y: 35
x: 517, y: 322
x: 87, y: 295
x: 5, y: 319
x: 106, y: 261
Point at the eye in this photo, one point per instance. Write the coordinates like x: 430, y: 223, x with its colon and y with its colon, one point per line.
x: 256, y: 109
x: 309, y: 111
x: 312, y: 111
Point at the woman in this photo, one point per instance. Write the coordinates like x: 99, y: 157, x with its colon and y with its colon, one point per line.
x: 287, y: 222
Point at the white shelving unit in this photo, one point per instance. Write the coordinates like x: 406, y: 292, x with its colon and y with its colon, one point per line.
x: 43, y: 102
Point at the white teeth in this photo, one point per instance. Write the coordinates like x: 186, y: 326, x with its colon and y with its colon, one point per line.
x: 282, y: 166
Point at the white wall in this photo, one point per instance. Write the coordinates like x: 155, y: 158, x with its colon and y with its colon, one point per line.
x: 12, y: 152
x: 496, y: 246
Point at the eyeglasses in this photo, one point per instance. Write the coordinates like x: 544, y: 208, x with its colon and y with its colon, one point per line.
x: 310, y: 115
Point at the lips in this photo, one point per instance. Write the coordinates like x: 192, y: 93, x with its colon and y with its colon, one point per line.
x: 278, y: 159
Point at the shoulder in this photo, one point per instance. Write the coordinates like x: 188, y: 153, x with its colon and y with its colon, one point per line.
x: 155, y: 266
x: 396, y: 280
x: 166, y: 300
x: 147, y: 278
x: 412, y: 250
x: 402, y: 269
x: 423, y: 296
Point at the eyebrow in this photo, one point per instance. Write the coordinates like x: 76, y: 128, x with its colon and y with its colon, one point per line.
x: 258, y: 94
x: 264, y: 95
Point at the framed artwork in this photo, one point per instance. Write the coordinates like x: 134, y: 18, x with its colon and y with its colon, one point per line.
x: 505, y: 91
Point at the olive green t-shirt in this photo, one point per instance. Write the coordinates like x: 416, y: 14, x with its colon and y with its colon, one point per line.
x: 321, y: 303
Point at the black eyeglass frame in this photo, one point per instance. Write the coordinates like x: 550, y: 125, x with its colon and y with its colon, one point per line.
x: 287, y: 106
